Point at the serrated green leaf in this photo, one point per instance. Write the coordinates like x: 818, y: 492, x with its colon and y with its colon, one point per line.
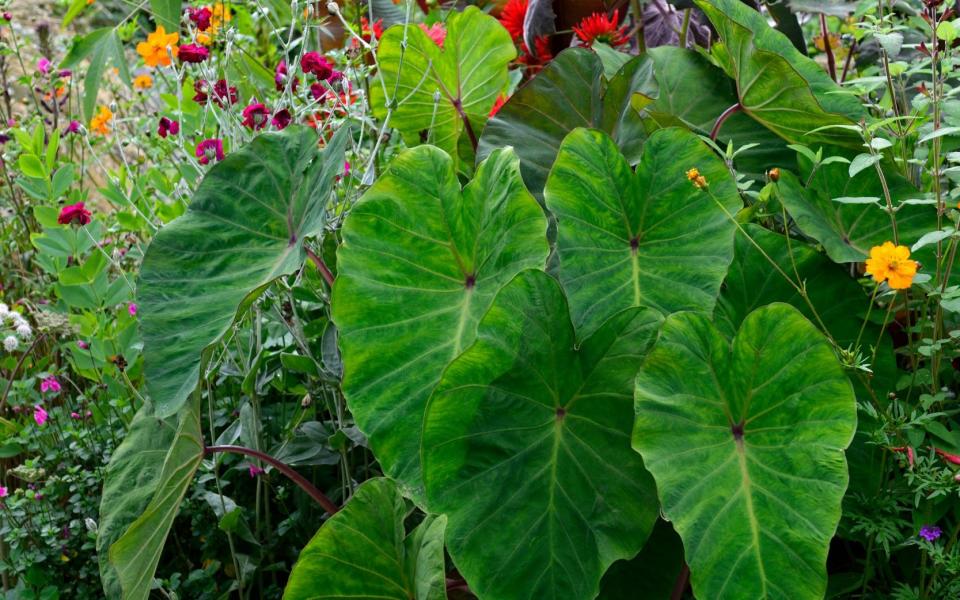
x: 526, y: 448
x: 748, y: 454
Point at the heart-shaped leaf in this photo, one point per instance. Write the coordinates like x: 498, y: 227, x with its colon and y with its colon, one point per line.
x: 745, y: 438
x: 848, y: 231
x: 134, y: 555
x: 432, y: 93
x: 364, y: 552
x: 420, y: 263
x: 649, y: 238
x: 244, y: 228
x: 526, y: 448
x: 777, y: 85
x: 570, y: 92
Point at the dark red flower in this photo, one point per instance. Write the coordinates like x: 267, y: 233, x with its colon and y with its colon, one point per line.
x: 193, y: 53
x: 200, y: 17
x: 168, y: 127
x: 255, y: 116
x: 512, y: 16
x: 221, y: 95
x: 201, y: 88
x: 317, y: 64
x: 280, y: 75
x: 74, y: 214
x: 598, y: 27
x: 281, y: 119
x: 210, y: 149
x: 318, y: 91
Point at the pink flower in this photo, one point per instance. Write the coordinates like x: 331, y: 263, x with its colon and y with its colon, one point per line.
x: 132, y: 309
x: 193, y: 53
x: 74, y: 214
x: 255, y: 470
x: 210, y: 149
x: 44, y: 65
x: 4, y: 492
x: 436, y: 32
x: 50, y: 384
x: 317, y: 64
x: 39, y: 415
x: 82, y: 345
x: 72, y: 127
x: 74, y: 415
x: 280, y: 76
x: 168, y: 127
x: 281, y: 119
x: 255, y: 116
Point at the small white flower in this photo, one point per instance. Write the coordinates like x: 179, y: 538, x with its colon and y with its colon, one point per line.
x: 4, y: 309
x: 24, y: 331
x: 10, y: 343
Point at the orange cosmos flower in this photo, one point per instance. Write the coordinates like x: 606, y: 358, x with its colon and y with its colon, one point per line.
x: 159, y: 48
x: 143, y: 82
x: 892, y: 264
x: 101, y: 121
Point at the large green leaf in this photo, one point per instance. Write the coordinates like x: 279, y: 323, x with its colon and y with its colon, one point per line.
x: 648, y: 238
x: 526, y: 448
x: 466, y: 76
x: 570, y: 92
x: 693, y: 93
x: 244, y: 228
x: 130, y: 483
x: 135, y: 555
x: 745, y: 439
x: 363, y: 552
x: 777, y: 85
x: 848, y: 231
x: 420, y: 263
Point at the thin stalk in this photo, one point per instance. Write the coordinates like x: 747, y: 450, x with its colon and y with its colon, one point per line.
x: 321, y: 266
x: 827, y: 48
x: 16, y: 369
x: 723, y: 117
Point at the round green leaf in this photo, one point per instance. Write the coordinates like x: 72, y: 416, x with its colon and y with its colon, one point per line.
x: 570, y: 92
x: 433, y: 88
x: 648, y: 238
x: 363, y: 552
x: 526, y: 448
x: 244, y: 228
x: 745, y: 439
x: 778, y: 86
x: 420, y: 262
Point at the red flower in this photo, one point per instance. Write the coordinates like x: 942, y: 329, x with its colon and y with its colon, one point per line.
x: 436, y: 32
x: 193, y: 53
x: 366, y: 31
x: 544, y: 55
x: 255, y: 116
x: 200, y: 17
x: 953, y: 458
x: 72, y: 214
x: 210, y: 149
x: 281, y: 119
x: 598, y: 27
x: 501, y: 100
x: 905, y: 449
x: 512, y: 16
x: 168, y: 127
x: 280, y: 75
x: 201, y: 88
x: 222, y: 95
x: 316, y: 63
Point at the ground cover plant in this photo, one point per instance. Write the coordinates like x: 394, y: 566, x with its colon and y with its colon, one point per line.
x: 498, y: 299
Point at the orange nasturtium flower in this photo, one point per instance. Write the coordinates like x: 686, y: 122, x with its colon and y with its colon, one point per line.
x: 101, y: 121
x: 143, y: 82
x: 698, y: 180
x: 159, y: 47
x: 892, y: 264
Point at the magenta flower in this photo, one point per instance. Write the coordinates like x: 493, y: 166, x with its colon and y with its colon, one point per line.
x: 168, y: 127
x: 317, y: 64
x: 44, y: 65
x: 39, y: 415
x: 50, y: 384
x: 221, y: 92
x: 193, y: 53
x: 132, y: 309
x: 281, y: 119
x: 4, y: 492
x: 200, y: 17
x: 74, y: 415
x: 210, y: 149
x: 72, y: 127
x: 255, y: 470
x: 74, y: 214
x: 930, y: 532
x: 280, y: 76
x: 255, y: 116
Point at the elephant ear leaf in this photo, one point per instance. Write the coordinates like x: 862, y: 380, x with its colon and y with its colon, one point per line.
x: 526, y: 448
x: 438, y: 93
x: 421, y: 261
x: 787, y: 92
x: 244, y: 228
x: 649, y: 238
x: 157, y: 463
x: 364, y: 552
x: 745, y: 439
